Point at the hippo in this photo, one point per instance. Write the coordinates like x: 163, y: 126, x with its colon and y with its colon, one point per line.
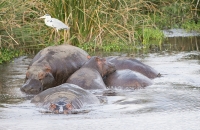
x: 133, y: 64
x: 52, y: 66
x: 127, y: 79
x: 64, y: 99
x: 89, y: 76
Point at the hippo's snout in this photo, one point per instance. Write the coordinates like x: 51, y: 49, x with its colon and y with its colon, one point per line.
x: 32, y: 86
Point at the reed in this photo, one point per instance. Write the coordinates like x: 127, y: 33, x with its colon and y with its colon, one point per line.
x: 102, y: 21
x: 94, y: 24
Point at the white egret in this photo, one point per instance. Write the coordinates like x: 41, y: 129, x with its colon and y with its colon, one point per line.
x: 54, y: 23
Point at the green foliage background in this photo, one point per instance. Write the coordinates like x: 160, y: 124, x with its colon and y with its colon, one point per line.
x: 110, y: 25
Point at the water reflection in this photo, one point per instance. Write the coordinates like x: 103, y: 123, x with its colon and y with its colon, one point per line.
x: 182, y: 43
x: 177, y: 44
x: 171, y: 102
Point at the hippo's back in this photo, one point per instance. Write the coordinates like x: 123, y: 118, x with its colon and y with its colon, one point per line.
x: 65, y: 93
x: 127, y: 79
x: 133, y: 64
x: 61, y: 52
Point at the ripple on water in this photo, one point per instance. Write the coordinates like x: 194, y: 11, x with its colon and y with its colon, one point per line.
x: 172, y: 102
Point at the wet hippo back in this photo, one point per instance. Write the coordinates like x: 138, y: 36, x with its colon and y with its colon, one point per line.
x: 127, y: 79
x: 52, y: 66
x: 65, y: 93
x: 89, y: 76
x: 133, y: 64
x: 60, y: 51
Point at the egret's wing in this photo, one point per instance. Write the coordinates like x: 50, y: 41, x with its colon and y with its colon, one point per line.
x: 58, y: 24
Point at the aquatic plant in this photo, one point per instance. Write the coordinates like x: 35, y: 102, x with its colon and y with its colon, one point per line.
x: 9, y: 54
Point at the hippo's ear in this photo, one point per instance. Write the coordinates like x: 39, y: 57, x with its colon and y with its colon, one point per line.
x: 47, y: 68
x: 100, y: 65
x: 98, y: 59
x: 69, y: 106
x: 99, y: 62
x: 88, y: 56
x: 52, y: 107
x: 27, y: 74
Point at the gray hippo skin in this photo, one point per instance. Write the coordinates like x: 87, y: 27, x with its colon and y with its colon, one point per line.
x: 64, y: 98
x: 127, y: 79
x: 133, y: 64
x: 52, y: 66
x: 89, y: 76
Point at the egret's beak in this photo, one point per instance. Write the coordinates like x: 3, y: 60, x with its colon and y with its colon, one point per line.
x: 43, y: 17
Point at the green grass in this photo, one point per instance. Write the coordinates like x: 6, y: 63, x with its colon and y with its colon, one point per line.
x: 108, y: 25
x: 191, y: 25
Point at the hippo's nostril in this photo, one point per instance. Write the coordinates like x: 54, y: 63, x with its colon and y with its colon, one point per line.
x: 24, y: 88
x: 32, y: 86
x: 41, y: 89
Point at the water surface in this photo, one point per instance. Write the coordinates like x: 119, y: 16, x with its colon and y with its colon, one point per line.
x: 171, y: 103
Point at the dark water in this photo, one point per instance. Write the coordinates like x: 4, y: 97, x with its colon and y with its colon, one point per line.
x: 171, y: 103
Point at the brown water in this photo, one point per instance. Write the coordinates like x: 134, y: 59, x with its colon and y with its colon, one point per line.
x: 171, y: 103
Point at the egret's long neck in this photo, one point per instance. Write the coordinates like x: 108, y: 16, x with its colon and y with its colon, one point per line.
x: 47, y: 19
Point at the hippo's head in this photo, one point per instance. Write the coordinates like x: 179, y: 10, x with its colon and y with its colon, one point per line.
x: 38, y: 78
x: 60, y: 107
x: 103, y: 66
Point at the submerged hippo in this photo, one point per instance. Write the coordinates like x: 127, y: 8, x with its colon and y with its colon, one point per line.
x: 64, y: 98
x: 127, y: 79
x: 52, y: 66
x: 89, y: 76
x: 133, y: 64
